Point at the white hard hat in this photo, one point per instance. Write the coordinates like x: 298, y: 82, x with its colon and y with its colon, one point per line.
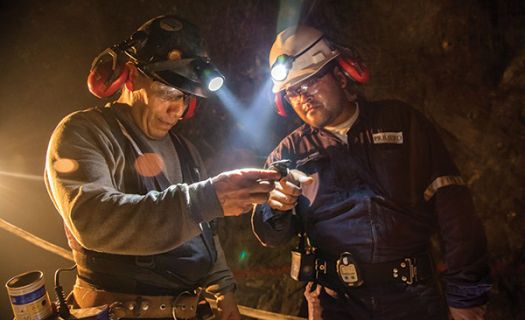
x: 303, y: 51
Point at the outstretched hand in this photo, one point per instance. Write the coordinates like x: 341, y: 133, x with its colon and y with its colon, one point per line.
x: 239, y: 190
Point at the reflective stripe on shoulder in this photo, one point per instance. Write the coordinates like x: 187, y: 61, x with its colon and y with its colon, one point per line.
x: 441, y: 182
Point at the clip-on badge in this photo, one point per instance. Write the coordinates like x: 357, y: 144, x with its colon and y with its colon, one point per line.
x: 303, y: 258
x: 348, y: 270
x: 303, y: 264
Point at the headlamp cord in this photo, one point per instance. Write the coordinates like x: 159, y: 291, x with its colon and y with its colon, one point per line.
x: 62, y: 307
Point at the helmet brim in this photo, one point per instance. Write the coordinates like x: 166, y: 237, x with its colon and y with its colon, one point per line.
x: 175, y: 80
x: 298, y: 75
x: 178, y: 74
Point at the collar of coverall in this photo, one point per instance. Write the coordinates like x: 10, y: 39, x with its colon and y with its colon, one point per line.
x: 363, y: 115
x: 342, y: 129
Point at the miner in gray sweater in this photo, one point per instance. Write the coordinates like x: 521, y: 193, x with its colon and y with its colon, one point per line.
x: 137, y: 205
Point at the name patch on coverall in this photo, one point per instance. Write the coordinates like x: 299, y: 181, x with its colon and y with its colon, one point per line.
x: 388, y: 137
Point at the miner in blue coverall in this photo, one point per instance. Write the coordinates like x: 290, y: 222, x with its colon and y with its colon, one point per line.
x: 369, y: 184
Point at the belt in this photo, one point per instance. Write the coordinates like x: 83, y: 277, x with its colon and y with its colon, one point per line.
x: 408, y: 270
x: 125, y: 274
x: 124, y: 305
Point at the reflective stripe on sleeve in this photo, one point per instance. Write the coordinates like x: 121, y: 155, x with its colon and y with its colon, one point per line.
x: 441, y: 182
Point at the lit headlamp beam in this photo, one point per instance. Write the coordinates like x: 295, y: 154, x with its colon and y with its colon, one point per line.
x: 252, y: 120
x: 257, y: 116
x: 260, y: 104
x: 230, y: 102
x: 33, y: 177
x: 289, y: 13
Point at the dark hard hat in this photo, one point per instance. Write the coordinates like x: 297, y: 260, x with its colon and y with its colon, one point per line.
x: 159, y: 36
x: 166, y: 48
x: 170, y: 49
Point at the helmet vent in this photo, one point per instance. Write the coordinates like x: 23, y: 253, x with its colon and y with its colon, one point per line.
x: 171, y: 25
x: 318, y: 57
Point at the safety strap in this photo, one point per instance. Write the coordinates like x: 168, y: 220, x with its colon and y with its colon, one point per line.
x: 189, y: 168
x: 191, y: 172
x: 157, y: 182
x: 132, y: 182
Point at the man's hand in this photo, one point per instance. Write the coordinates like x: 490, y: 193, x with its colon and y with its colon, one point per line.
x: 238, y: 190
x: 314, y: 304
x: 284, y: 196
x: 475, y: 313
x: 227, y: 307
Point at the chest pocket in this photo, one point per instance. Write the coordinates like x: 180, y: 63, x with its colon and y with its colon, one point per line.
x: 389, y: 149
x: 317, y: 166
x: 331, y: 181
x: 312, y: 163
x: 391, y: 158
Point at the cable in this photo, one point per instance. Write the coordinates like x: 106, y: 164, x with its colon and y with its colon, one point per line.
x: 62, y: 307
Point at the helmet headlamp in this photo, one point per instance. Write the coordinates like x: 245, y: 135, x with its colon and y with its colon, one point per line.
x: 281, y: 67
x: 208, y: 74
x: 283, y: 64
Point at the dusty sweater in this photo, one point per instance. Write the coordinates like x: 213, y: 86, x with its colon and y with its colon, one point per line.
x: 102, y: 215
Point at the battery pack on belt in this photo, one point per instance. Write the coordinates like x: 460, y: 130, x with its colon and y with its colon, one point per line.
x: 346, y: 270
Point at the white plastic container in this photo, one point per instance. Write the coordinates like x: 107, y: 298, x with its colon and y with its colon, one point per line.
x: 28, y: 296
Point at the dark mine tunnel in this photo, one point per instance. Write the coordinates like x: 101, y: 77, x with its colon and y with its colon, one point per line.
x: 461, y: 64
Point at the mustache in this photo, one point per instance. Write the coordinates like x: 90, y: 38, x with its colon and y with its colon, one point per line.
x: 310, y: 104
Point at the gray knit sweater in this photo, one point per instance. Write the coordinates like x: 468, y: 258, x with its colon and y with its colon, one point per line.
x: 85, y: 179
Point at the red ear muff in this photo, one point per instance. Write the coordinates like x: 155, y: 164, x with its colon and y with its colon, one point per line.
x: 129, y: 85
x: 107, y: 76
x: 280, y: 104
x: 192, y: 104
x: 356, y: 70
